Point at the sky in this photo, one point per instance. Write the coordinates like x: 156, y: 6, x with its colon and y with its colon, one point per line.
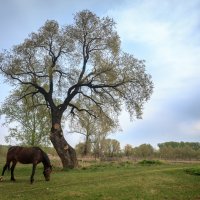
x: 166, y: 34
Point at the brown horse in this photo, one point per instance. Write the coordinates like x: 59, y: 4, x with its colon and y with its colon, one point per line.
x: 27, y: 155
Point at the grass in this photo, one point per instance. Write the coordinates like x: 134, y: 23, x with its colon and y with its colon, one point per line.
x: 193, y: 171
x: 107, y: 181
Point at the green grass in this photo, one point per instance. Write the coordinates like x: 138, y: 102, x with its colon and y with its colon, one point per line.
x: 193, y: 171
x: 114, y: 181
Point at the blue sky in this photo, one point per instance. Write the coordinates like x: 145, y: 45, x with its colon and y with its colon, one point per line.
x: 164, y: 33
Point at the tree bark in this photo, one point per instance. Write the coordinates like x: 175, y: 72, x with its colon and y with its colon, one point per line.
x: 86, y: 146
x: 66, y: 153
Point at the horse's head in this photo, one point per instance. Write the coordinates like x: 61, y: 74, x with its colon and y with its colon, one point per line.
x: 47, y: 171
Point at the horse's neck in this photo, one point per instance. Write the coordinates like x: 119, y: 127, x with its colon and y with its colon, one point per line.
x: 45, y: 160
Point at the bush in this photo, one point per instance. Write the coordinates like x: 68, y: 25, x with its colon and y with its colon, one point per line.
x: 193, y: 171
x: 150, y: 162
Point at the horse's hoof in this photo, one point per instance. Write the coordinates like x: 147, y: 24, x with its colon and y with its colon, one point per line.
x: 1, y: 178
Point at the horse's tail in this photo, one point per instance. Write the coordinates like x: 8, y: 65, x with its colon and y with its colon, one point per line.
x: 7, y: 165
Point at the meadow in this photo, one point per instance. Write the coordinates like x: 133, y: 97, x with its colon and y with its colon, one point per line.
x: 106, y: 181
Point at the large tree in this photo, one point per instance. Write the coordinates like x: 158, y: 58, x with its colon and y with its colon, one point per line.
x: 75, y: 64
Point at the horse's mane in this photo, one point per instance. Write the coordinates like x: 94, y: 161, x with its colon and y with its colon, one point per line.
x: 46, y: 160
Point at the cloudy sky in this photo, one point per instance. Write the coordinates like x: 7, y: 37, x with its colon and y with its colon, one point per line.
x: 164, y: 33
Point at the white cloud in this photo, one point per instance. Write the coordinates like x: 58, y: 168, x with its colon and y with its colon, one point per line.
x: 168, y: 31
x: 190, y: 128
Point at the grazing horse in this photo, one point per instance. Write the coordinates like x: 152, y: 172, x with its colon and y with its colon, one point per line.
x: 27, y: 155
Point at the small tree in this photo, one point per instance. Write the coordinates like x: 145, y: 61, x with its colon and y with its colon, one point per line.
x: 111, y: 147
x: 92, y: 127
x: 145, y: 151
x: 80, y: 149
x: 31, y: 123
x: 128, y: 150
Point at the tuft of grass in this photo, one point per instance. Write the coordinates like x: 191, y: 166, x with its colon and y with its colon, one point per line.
x: 150, y: 162
x: 193, y: 171
x: 100, y: 166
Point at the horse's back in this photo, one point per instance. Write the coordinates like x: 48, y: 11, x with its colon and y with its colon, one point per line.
x: 24, y: 155
x: 13, y: 150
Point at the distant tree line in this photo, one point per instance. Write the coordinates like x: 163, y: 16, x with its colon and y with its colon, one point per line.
x: 179, y: 150
x: 110, y: 148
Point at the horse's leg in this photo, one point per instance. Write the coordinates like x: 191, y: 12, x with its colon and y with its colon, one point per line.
x: 12, y: 170
x: 6, y: 166
x: 4, y: 169
x: 33, y: 172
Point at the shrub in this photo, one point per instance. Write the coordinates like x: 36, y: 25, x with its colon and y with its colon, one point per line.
x: 150, y: 162
x: 193, y: 171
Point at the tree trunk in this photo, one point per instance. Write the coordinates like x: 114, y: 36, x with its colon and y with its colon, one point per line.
x: 86, y: 146
x: 66, y: 153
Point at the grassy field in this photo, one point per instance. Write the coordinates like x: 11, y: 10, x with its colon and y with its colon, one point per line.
x: 105, y: 181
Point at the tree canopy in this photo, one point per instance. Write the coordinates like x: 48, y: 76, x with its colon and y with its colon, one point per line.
x: 28, y: 124
x: 84, y: 61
